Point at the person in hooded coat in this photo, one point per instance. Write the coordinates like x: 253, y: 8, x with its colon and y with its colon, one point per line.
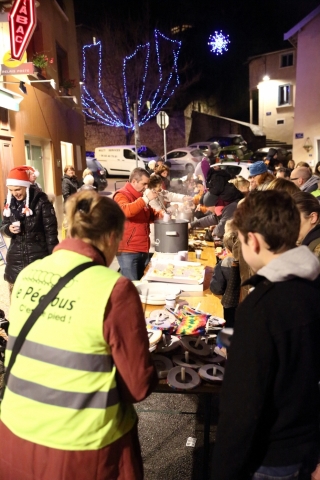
x: 221, y: 199
x: 37, y: 234
x: 269, y: 403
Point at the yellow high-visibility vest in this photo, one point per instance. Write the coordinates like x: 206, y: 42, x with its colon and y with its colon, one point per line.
x: 62, y: 390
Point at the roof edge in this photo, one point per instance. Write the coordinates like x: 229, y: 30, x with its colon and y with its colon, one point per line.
x: 301, y: 24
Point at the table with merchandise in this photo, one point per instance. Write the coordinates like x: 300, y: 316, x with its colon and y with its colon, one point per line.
x: 183, y: 321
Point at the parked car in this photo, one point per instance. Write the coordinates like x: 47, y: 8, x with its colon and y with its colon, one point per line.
x: 234, y: 168
x: 230, y: 139
x: 121, y: 159
x: 203, y: 146
x: 98, y: 172
x: 283, y: 155
x: 185, y: 159
x: 239, y: 153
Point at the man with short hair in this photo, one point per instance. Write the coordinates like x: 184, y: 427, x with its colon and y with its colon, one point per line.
x: 134, y: 247
x: 268, y: 425
x: 303, y: 178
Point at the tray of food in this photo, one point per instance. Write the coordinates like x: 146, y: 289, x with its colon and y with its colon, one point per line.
x: 176, y: 272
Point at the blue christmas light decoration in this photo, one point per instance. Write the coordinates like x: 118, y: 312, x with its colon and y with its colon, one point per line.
x: 101, y: 110
x: 218, y: 43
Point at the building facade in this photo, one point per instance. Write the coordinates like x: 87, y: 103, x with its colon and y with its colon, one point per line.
x: 305, y: 37
x: 272, y: 79
x: 44, y: 125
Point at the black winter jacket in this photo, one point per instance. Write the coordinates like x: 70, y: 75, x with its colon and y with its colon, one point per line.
x: 269, y: 401
x: 212, y: 219
x: 70, y: 185
x: 37, y: 238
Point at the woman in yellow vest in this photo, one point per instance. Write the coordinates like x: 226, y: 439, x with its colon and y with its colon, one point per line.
x: 67, y: 411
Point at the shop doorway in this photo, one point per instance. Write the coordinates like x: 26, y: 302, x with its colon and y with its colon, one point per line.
x: 34, y: 157
x: 67, y: 157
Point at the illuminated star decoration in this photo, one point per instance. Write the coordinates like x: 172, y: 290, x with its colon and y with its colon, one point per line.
x: 219, y: 43
x: 102, y: 111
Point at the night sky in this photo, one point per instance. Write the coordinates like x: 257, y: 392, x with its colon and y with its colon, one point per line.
x: 253, y: 27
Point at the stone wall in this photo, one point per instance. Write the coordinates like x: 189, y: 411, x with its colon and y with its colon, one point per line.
x: 150, y: 134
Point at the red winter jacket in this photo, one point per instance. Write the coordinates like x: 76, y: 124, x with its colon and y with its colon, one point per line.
x: 139, y: 216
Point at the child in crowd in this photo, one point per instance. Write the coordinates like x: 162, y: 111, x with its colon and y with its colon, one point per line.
x: 226, y: 279
x: 241, y: 184
x: 199, y: 191
x: 190, y: 183
x: 269, y: 404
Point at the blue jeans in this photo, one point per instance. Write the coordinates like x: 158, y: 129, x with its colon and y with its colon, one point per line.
x: 133, y: 265
x: 290, y: 472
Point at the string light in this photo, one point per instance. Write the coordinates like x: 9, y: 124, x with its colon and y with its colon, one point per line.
x: 218, y: 43
x: 98, y: 108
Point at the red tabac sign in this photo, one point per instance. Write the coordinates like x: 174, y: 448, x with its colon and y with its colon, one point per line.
x: 22, y: 22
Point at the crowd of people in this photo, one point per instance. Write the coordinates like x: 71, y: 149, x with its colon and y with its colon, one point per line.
x: 74, y: 374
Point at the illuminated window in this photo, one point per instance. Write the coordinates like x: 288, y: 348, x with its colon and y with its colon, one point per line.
x: 285, y: 95
x: 180, y: 28
x: 286, y: 60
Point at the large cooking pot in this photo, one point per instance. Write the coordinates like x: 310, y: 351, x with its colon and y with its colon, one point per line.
x: 171, y: 237
x: 185, y: 215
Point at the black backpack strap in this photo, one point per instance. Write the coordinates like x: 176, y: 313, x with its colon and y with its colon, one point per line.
x: 31, y: 320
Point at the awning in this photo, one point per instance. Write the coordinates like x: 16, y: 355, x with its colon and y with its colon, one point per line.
x: 9, y: 99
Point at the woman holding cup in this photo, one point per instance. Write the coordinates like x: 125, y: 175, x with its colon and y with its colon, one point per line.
x: 29, y: 220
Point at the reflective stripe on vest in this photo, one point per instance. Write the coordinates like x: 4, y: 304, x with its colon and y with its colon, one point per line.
x: 62, y: 390
x: 64, y: 358
x: 50, y: 396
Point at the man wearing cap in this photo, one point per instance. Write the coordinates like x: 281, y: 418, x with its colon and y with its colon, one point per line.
x: 29, y: 220
x: 303, y: 178
x: 272, y: 159
x: 259, y: 177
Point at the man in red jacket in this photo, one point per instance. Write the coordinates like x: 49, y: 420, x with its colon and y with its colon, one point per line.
x: 134, y: 247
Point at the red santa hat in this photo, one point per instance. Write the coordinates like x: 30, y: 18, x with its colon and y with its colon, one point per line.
x: 18, y: 177
x: 32, y: 170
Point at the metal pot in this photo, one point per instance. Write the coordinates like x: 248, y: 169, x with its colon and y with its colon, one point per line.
x: 186, y: 215
x: 171, y: 237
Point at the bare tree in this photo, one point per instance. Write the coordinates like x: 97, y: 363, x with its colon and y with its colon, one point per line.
x: 127, y: 67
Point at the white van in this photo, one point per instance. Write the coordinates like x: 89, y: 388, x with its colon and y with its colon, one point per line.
x: 121, y: 159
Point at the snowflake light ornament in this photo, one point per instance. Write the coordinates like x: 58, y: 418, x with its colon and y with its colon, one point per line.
x: 219, y: 43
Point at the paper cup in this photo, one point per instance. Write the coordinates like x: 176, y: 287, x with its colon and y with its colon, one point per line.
x: 183, y: 255
x: 198, y: 254
x: 17, y: 225
x: 170, y: 301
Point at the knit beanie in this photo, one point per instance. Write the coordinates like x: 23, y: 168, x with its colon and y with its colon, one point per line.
x: 18, y: 177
